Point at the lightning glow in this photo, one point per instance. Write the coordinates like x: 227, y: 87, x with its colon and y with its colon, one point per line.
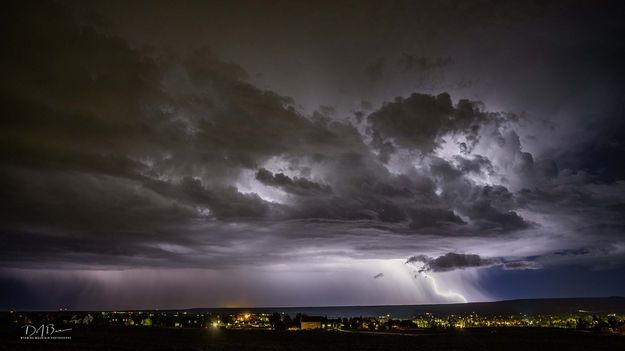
x: 420, y: 270
x: 447, y: 294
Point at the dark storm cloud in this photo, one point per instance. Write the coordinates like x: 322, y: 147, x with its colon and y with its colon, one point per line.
x: 117, y: 155
x: 452, y: 261
x: 225, y: 202
x: 433, y: 217
x: 100, y: 138
x: 299, y: 186
x: 419, y: 120
x: 111, y: 154
x: 489, y: 205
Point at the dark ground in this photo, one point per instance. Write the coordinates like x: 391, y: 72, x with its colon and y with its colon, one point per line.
x: 152, y: 338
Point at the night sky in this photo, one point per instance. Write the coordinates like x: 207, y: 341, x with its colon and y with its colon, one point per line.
x: 173, y: 154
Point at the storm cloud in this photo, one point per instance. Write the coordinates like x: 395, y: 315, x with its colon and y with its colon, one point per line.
x: 122, y: 149
x: 451, y: 261
x: 457, y: 261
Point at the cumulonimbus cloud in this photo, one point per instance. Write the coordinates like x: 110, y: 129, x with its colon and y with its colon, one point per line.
x: 114, y: 155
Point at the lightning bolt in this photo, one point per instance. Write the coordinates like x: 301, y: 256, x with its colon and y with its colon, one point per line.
x: 447, y: 294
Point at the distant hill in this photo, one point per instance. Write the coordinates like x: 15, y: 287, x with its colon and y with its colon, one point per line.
x: 556, y: 306
x: 600, y: 305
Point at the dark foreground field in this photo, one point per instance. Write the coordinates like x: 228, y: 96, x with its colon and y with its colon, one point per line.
x: 138, y: 338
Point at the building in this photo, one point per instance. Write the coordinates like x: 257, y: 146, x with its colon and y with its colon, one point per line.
x: 312, y: 322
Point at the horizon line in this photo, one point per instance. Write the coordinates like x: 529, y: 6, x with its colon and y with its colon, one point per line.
x: 320, y: 306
